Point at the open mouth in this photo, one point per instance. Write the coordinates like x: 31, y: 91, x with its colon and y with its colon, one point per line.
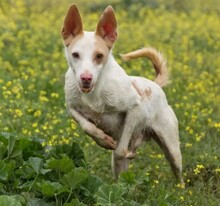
x: 86, y: 88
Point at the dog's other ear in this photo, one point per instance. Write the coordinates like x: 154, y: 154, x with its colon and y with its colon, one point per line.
x: 107, y: 26
x: 72, y: 25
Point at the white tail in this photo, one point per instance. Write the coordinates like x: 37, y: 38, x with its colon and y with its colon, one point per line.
x: 158, y: 61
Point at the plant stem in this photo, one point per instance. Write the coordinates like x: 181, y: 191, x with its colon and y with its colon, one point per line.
x: 69, y: 195
x: 33, y: 183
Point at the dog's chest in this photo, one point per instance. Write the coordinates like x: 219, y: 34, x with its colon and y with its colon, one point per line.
x: 110, y: 122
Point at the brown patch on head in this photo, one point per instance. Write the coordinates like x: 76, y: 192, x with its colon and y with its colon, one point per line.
x: 101, y: 51
x: 74, y: 40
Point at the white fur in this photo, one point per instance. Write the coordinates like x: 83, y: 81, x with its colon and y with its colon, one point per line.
x: 115, y: 113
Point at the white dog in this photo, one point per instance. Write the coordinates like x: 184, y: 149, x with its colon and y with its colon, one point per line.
x: 118, y: 111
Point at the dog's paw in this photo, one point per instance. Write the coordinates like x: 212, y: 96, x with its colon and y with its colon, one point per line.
x: 130, y: 155
x: 119, y: 153
x: 124, y: 154
x: 106, y: 142
x: 109, y: 142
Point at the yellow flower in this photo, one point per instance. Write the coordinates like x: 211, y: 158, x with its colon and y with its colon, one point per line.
x: 156, y: 181
x: 198, y: 169
x: 217, y: 125
x: 181, y: 198
x: 198, y: 138
x: 43, y: 99
x: 37, y: 113
x: 34, y: 125
x: 188, y: 145
x: 76, y: 134
x: 18, y: 112
x: 9, y: 83
x: 181, y: 186
x: 24, y: 131
x: 55, y: 95
x: 217, y: 170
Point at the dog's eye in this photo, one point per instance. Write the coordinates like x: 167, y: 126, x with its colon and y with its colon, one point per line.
x: 75, y: 55
x: 99, y: 57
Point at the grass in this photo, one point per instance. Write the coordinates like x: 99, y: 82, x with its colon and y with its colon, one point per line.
x: 32, y: 68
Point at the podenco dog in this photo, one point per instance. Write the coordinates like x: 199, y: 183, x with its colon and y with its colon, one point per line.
x: 118, y: 111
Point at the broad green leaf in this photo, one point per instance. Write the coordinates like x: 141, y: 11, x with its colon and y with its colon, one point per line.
x: 30, y: 147
x: 36, y: 163
x: 75, y: 202
x: 9, y: 201
x: 92, y: 184
x: 10, y: 167
x: 65, y: 164
x: 73, y: 151
x: 11, y: 144
x: 109, y: 194
x: 51, y: 188
x: 77, y: 155
x: 48, y: 188
x: 37, y: 202
x: 3, y: 171
x: 26, y: 185
x: 74, y: 178
x: 20, y: 199
x: 3, y: 150
x: 16, y: 152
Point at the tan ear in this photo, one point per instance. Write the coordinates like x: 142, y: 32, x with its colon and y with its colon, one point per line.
x: 107, y: 26
x: 72, y: 25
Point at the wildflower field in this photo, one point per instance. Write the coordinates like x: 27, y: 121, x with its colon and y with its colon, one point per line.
x: 46, y: 159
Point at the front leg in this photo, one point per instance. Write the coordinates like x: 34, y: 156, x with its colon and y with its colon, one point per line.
x: 129, y: 126
x: 89, y: 128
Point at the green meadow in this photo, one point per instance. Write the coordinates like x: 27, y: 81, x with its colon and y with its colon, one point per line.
x: 46, y: 159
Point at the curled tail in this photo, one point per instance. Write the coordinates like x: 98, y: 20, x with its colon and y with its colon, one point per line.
x: 158, y: 61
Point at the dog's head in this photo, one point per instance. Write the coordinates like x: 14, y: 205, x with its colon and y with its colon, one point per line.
x: 87, y: 52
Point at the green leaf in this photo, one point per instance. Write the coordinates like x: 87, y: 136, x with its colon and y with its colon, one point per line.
x: 13, y: 149
x: 75, y: 202
x: 8, y: 200
x: 74, y: 178
x: 30, y: 147
x: 77, y: 155
x: 16, y: 152
x: 127, y: 178
x: 3, y: 171
x: 37, y: 202
x: 92, y: 184
x: 11, y: 144
x: 73, y: 151
x: 3, y: 150
x: 36, y: 164
x: 26, y: 185
x: 109, y: 194
x: 49, y: 188
x: 19, y: 198
x: 64, y: 165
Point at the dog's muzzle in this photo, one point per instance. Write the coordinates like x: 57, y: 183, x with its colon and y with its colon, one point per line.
x: 86, y: 85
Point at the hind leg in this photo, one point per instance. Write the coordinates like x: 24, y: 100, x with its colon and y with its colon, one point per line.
x: 167, y: 136
x: 118, y: 165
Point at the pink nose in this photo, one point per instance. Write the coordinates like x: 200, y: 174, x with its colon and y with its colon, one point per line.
x: 86, y: 78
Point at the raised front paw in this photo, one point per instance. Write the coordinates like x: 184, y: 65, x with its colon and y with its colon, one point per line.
x: 107, y: 142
